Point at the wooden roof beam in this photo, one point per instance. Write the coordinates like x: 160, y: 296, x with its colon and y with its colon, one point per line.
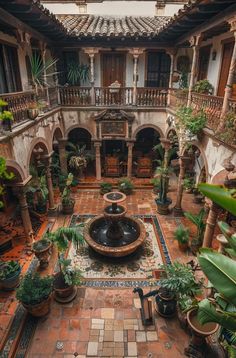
x: 18, y: 24
x: 208, y: 24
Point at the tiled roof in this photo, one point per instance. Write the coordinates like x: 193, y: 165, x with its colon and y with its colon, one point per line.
x: 105, y: 26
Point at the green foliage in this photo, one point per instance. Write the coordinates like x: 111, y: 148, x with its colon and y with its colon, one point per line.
x: 34, y: 289
x: 188, y: 183
x: 71, y: 275
x: 40, y: 71
x: 155, y: 182
x: 179, y: 279
x: 3, y: 103
x: 41, y: 244
x: 125, y: 186
x: 221, y: 196
x: 203, y: 86
x: 161, y: 153
x: 181, y: 234
x: 192, y: 120
x: 4, y: 175
x: 163, y: 174
x: 62, y: 236
x: 183, y: 81
x: 199, y: 222
x: 105, y: 188
x: 66, y: 194
x: 6, y: 116
x: 8, y: 269
x: 77, y: 73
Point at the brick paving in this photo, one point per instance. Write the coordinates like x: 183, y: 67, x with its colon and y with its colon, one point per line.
x: 106, y: 323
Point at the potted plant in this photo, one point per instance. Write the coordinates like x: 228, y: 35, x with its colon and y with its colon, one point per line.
x: 198, y: 197
x: 203, y: 86
x: 42, y: 250
x: 193, y: 121
x: 105, y: 188
x: 6, y: 117
x: 177, y: 280
x: 78, y: 159
x: 67, y: 277
x: 199, y: 222
x: 77, y: 73
x: 156, y: 185
x: 67, y: 201
x: 162, y: 200
x: 33, y: 110
x: 9, y: 275
x: 188, y: 185
x: 125, y: 186
x: 35, y: 294
x: 181, y: 234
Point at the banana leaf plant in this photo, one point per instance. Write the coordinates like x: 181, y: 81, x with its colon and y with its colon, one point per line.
x: 223, y: 197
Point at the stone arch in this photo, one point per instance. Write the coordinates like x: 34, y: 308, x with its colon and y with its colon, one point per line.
x: 153, y: 126
x: 219, y: 177
x: 57, y: 133
x: 169, y: 130
x: 41, y: 142
x: 199, y: 146
x: 79, y: 126
x: 14, y: 167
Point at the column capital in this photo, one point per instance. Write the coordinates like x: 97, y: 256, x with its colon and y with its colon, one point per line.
x: 232, y: 23
x: 195, y: 40
x: 171, y: 51
x: 91, y: 51
x: 97, y: 144
x: 136, y: 51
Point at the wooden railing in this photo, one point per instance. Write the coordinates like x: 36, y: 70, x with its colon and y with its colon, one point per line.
x: 232, y: 105
x: 18, y: 103
x: 153, y: 97
x: 212, y: 106
x: 75, y: 96
x: 105, y: 96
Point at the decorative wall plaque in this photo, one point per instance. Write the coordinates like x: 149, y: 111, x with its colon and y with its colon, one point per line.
x: 113, y: 128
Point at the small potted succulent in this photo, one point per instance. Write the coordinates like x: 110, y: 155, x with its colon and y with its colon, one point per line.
x: 9, y: 275
x: 35, y: 294
x: 105, y: 188
x: 67, y: 277
x: 67, y: 201
x: 125, y: 186
x: 33, y: 110
x: 42, y: 250
x: 181, y: 234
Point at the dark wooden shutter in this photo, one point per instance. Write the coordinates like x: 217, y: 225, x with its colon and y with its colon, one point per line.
x: 225, y: 65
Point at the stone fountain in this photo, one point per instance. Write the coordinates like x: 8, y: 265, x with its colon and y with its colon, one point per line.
x: 114, y: 233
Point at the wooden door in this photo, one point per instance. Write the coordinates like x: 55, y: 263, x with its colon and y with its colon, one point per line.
x: 113, y: 68
x: 225, y: 65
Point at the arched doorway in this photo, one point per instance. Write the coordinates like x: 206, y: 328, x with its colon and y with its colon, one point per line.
x: 144, y: 154
x: 79, y: 144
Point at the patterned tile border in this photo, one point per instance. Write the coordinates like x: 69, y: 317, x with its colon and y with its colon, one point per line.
x: 126, y: 283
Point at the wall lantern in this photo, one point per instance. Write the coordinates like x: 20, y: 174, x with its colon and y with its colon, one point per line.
x: 214, y: 55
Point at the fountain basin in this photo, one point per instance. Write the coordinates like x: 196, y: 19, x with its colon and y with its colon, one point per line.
x: 133, y: 236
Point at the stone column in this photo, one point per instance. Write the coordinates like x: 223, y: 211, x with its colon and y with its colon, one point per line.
x: 135, y: 52
x: 52, y: 206
x: 97, y: 146
x: 210, y: 225
x: 130, y: 159
x: 171, y: 53
x: 43, y: 48
x: 228, y: 88
x: 195, y: 42
x: 91, y: 51
x: 24, y: 210
x: 178, y: 211
x: 62, y: 155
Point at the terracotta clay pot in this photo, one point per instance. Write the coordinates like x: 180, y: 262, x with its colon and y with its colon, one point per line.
x: 68, y: 208
x: 183, y: 247
x: 62, y: 292
x: 43, y: 256
x: 41, y: 309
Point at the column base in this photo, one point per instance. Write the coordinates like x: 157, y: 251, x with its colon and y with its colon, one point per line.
x: 53, y: 211
x: 178, y: 211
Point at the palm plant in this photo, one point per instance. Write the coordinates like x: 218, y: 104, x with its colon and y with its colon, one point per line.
x: 40, y: 69
x: 161, y: 153
x: 77, y: 73
x: 78, y: 156
x: 4, y: 175
x: 198, y: 221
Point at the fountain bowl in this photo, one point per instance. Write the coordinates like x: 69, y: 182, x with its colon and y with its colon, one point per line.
x: 115, y: 251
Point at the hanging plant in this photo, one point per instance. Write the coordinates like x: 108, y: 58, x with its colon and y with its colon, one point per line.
x: 192, y: 120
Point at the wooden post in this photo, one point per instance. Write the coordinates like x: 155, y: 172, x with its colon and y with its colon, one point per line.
x: 228, y: 88
x: 195, y: 42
